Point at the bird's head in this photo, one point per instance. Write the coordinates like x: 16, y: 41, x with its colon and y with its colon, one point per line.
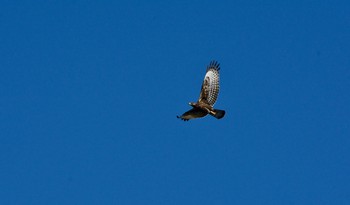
x: 192, y: 104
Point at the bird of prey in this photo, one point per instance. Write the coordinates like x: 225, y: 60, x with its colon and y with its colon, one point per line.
x: 208, y: 95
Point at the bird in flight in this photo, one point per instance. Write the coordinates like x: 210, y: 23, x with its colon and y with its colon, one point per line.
x: 208, y: 95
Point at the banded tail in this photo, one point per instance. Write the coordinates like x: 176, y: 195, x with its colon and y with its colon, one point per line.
x: 218, y: 114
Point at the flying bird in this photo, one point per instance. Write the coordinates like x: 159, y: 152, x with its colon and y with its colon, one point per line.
x: 208, y: 95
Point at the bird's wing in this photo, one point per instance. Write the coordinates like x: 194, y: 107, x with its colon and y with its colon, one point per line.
x: 210, y: 87
x: 193, y: 113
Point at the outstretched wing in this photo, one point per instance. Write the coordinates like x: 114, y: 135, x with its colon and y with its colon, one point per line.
x: 193, y: 113
x: 210, y: 87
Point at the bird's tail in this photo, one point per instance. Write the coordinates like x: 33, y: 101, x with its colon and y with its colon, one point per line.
x: 218, y: 113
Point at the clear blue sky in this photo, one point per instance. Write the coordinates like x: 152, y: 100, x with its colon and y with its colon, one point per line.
x: 90, y: 90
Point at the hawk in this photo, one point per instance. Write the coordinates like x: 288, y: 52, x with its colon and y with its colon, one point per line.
x: 208, y: 95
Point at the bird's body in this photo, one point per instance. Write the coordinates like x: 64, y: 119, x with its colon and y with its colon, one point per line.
x: 208, y: 96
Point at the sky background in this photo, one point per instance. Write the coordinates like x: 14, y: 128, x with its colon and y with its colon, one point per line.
x: 90, y: 90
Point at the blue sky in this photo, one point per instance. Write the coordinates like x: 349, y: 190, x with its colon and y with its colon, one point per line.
x: 90, y: 90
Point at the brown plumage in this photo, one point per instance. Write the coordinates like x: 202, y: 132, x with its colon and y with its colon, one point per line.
x: 208, y: 96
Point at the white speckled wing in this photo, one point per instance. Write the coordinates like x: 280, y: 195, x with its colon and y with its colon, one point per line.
x: 210, y: 87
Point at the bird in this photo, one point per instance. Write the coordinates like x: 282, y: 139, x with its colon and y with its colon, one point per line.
x: 208, y: 96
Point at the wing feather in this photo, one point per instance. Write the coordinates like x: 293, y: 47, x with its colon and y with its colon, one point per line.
x: 193, y: 113
x: 210, y: 87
